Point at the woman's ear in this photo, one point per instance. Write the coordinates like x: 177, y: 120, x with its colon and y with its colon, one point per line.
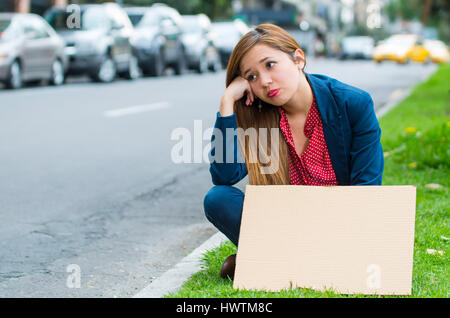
x: 299, y: 59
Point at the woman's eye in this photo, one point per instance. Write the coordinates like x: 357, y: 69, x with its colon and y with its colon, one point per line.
x: 270, y: 64
x: 251, y: 78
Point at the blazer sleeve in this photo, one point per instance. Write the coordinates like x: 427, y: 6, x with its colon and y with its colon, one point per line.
x: 227, y: 166
x: 366, y: 152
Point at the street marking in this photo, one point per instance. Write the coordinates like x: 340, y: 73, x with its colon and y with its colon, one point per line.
x: 135, y: 109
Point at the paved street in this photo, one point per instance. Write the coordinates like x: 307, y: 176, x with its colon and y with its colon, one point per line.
x: 87, y: 177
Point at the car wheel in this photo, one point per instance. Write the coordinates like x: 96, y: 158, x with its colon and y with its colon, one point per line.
x: 158, y: 66
x: 216, y: 65
x: 202, y: 66
x: 107, y: 70
x: 57, y: 77
x: 14, y: 80
x: 133, y: 68
x: 180, y: 66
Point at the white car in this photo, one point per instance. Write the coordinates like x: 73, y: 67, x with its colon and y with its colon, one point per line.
x: 438, y: 51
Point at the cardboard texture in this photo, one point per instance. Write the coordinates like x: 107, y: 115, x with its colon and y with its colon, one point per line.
x: 351, y: 239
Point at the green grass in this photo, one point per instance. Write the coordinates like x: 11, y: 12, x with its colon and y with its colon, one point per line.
x: 415, y: 138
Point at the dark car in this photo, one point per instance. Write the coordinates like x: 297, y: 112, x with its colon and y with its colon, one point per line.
x: 157, y: 39
x: 201, y: 53
x: 100, y: 44
x: 29, y: 50
x: 226, y: 35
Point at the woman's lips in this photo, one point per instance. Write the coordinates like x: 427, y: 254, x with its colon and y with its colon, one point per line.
x: 272, y: 93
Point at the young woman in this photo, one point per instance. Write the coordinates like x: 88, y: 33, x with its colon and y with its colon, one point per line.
x: 328, y: 132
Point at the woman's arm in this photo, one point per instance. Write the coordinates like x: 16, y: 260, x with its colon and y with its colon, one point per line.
x: 227, y: 166
x: 366, y: 152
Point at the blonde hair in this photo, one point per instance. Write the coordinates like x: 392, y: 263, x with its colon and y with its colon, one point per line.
x: 268, y: 116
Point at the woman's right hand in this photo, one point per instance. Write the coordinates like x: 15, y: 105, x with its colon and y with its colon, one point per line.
x: 237, y: 88
x: 235, y: 91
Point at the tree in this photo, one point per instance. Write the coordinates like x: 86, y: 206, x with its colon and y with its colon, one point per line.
x: 438, y: 15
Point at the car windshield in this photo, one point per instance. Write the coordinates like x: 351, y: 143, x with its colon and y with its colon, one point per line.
x: 401, y: 40
x: 6, y: 32
x: 89, y: 19
x: 4, y: 24
x: 150, y: 19
x: 435, y: 44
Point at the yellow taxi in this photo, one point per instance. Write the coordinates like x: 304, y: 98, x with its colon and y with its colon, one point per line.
x: 402, y: 48
x: 439, y: 52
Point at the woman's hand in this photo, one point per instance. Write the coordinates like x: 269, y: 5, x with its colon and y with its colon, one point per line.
x: 235, y: 91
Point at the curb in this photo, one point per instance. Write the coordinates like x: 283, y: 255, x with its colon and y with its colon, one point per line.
x: 174, y: 278
x: 394, y: 99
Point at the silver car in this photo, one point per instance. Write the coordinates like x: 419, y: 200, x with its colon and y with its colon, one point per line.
x: 30, y: 50
x: 100, y: 46
x: 201, y: 53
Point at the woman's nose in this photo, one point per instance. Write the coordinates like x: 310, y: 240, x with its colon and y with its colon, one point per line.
x: 265, y: 79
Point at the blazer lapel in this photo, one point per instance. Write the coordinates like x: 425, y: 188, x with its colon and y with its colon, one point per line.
x: 332, y: 126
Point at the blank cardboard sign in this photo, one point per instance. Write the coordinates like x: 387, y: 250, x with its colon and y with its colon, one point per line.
x: 356, y: 239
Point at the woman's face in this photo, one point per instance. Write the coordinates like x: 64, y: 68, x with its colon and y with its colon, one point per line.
x: 273, y: 75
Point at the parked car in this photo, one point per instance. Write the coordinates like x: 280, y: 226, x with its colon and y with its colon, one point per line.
x: 439, y: 52
x: 226, y: 35
x: 357, y: 47
x: 157, y: 39
x: 402, y: 48
x: 100, y: 46
x: 201, y: 53
x: 29, y: 50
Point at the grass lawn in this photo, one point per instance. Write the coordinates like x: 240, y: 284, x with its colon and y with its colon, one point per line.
x: 415, y: 138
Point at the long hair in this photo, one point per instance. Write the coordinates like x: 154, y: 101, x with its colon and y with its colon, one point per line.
x: 265, y: 118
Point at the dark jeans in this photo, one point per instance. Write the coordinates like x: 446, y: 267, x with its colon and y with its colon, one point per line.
x: 223, y: 208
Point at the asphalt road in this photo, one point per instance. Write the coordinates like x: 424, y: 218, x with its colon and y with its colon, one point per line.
x: 89, y: 190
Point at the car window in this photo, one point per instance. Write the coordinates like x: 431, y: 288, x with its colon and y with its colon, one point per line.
x: 4, y: 24
x: 168, y: 22
x: 120, y: 18
x: 150, y: 19
x: 9, y: 30
x: 400, y: 40
x: 41, y: 29
x: 94, y: 18
x: 135, y: 18
x: 34, y: 29
x: 91, y: 18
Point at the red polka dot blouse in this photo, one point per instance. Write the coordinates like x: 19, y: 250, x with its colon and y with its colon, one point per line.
x: 313, y: 166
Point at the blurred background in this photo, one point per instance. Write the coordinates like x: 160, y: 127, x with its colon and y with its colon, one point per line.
x: 91, y: 93
x: 201, y: 32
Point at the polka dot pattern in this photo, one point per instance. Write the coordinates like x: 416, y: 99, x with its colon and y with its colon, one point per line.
x: 313, y: 166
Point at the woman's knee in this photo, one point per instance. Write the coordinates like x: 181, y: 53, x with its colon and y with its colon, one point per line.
x: 222, y: 199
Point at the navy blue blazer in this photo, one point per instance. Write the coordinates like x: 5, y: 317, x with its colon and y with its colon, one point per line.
x: 350, y: 128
